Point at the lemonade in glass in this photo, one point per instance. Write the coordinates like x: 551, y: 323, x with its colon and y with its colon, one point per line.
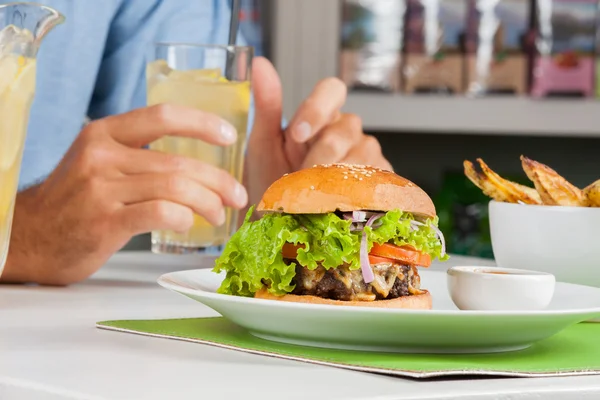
x: 17, y: 88
x: 22, y: 29
x: 215, y: 79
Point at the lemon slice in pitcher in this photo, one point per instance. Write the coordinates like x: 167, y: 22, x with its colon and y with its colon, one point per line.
x: 24, y: 83
x: 9, y: 68
x: 15, y: 99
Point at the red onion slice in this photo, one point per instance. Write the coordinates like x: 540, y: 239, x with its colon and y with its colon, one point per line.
x: 441, y: 237
x: 359, y: 216
x: 372, y: 218
x: 365, y: 266
x: 414, y: 225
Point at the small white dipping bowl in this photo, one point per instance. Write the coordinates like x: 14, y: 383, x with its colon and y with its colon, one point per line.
x: 499, y: 289
x: 563, y: 241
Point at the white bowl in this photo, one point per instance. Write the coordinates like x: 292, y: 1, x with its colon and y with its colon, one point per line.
x: 500, y: 289
x: 563, y: 241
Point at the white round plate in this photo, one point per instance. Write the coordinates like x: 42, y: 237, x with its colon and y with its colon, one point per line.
x: 444, y: 329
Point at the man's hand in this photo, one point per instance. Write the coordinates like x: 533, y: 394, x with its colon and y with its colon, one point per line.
x: 108, y: 188
x: 317, y: 134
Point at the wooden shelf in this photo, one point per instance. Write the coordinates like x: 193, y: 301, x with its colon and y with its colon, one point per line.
x: 548, y: 117
x: 306, y: 49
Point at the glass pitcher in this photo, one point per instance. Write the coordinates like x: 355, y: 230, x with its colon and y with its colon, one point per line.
x: 22, y: 28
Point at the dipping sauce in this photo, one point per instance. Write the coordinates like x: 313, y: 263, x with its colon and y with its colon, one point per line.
x: 492, y: 271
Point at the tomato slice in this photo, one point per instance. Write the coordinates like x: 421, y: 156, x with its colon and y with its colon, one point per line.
x: 379, y: 254
x: 379, y: 260
x: 290, y: 250
x: 404, y: 254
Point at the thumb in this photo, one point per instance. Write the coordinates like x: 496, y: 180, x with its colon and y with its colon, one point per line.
x: 267, y: 99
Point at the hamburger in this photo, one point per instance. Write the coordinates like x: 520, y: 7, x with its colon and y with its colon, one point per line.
x: 336, y: 234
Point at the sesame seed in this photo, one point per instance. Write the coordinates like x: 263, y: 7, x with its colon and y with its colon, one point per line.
x: 345, y: 176
x: 314, y: 165
x: 285, y: 174
x: 312, y: 188
x: 360, y: 179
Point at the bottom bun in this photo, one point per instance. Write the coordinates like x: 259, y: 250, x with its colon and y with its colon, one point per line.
x: 414, y: 302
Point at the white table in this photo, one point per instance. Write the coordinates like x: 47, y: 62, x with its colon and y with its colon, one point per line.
x: 50, y: 349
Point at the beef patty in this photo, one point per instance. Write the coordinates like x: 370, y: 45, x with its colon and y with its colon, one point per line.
x: 391, y: 281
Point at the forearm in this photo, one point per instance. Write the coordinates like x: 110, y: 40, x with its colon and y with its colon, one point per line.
x: 46, y: 246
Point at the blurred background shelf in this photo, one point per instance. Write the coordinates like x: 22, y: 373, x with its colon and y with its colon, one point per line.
x: 496, y: 116
x: 304, y: 45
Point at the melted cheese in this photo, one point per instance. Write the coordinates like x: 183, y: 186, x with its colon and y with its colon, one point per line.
x: 414, y: 278
x: 385, y: 277
x: 341, y: 275
x: 312, y: 277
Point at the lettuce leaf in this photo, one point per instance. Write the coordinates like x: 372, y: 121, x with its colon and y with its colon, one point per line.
x: 396, y: 228
x: 252, y: 257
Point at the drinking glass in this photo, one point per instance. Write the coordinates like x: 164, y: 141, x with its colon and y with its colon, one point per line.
x: 22, y: 28
x: 214, y: 79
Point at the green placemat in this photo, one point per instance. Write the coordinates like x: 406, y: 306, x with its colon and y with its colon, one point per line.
x: 575, y: 351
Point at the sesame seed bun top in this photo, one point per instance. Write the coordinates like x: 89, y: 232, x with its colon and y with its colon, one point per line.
x: 345, y: 187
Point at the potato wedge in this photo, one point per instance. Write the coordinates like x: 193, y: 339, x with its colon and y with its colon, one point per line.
x: 592, y: 194
x: 498, y: 188
x: 518, y: 192
x: 553, y: 189
x: 482, y: 183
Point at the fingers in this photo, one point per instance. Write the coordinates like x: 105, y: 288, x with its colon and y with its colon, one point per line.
x: 267, y: 99
x: 155, y: 215
x: 334, y: 142
x: 318, y: 110
x: 143, y: 126
x: 368, y: 152
x: 181, y: 190
x: 178, y: 187
x: 147, y: 162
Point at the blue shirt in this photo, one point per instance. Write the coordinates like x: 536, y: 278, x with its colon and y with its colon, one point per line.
x: 94, y: 65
